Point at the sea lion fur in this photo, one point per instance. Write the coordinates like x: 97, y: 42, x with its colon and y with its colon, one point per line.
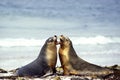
x: 72, y: 64
x: 46, y: 61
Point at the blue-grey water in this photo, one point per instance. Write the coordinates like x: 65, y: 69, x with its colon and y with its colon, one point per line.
x: 92, y: 25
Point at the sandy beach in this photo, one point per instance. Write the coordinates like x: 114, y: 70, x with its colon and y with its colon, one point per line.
x: 10, y: 75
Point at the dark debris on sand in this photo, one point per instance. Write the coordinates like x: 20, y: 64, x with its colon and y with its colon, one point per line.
x: 3, y: 71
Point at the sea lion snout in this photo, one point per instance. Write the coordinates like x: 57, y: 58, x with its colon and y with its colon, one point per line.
x: 63, y: 39
x: 55, y: 40
x: 55, y: 37
x: 60, y: 40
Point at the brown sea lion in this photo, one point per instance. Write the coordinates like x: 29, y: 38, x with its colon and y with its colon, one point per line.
x: 72, y: 64
x: 46, y: 61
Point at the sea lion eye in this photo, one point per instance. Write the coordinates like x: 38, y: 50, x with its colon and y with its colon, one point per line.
x: 50, y: 40
x: 66, y: 39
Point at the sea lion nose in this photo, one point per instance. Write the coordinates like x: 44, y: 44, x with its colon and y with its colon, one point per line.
x: 61, y: 35
x: 60, y: 39
x: 55, y: 36
x: 55, y: 39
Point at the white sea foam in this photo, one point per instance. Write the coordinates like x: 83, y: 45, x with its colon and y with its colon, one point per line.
x: 95, y: 40
x: 9, y: 42
x: 20, y: 42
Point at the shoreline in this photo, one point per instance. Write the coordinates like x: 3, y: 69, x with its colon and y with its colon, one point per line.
x: 8, y: 75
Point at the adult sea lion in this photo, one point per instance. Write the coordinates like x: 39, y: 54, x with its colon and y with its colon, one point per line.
x: 72, y: 64
x: 45, y: 62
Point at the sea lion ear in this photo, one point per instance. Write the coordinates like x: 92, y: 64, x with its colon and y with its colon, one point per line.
x: 67, y: 38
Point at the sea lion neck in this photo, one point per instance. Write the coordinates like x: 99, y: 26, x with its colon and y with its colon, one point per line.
x: 72, y: 52
x: 42, y: 51
x: 62, y: 46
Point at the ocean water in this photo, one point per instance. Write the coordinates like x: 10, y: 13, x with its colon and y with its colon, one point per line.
x: 19, y: 52
x: 93, y: 26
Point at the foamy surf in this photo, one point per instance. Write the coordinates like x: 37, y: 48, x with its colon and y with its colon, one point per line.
x: 95, y: 40
x: 10, y: 42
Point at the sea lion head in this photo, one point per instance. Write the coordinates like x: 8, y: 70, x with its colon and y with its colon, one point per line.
x: 49, y: 47
x: 52, y: 41
x: 65, y: 41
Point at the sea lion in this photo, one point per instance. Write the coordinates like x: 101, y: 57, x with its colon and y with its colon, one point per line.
x: 46, y: 61
x: 72, y: 64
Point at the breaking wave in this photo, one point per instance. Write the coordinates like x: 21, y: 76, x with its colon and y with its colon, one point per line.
x: 20, y: 42
x: 10, y: 42
x: 95, y: 40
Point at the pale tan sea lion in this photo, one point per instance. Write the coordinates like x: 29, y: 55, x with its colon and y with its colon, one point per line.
x: 72, y: 64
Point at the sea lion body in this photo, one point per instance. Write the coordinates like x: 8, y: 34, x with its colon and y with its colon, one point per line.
x: 45, y: 62
x: 72, y: 64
